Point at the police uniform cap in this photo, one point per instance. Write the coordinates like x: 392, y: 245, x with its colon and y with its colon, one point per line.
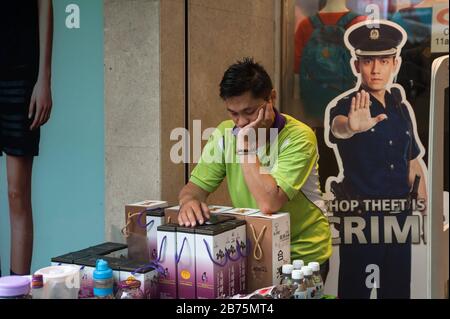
x: 377, y: 39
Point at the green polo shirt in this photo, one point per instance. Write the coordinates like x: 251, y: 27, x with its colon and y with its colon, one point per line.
x: 295, y: 170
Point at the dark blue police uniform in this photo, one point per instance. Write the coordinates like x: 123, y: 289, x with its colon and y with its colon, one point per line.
x: 376, y: 166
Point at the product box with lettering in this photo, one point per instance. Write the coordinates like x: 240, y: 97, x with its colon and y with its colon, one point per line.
x: 232, y: 258
x: 148, y: 276
x: 171, y: 213
x: 186, y: 263
x: 238, y: 256
x: 240, y: 213
x: 167, y: 252
x: 141, y: 221
x: 87, y: 267
x: 269, y: 240
x: 211, y: 261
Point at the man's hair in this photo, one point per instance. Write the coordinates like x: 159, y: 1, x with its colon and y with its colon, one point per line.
x: 245, y: 76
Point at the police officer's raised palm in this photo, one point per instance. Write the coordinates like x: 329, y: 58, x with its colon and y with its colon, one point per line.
x: 359, y: 117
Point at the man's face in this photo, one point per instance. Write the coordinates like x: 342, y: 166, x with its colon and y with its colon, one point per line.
x: 244, y: 109
x: 376, y: 72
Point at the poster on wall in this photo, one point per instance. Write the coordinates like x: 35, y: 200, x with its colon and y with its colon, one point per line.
x: 378, y: 200
x: 51, y: 130
x: 369, y: 208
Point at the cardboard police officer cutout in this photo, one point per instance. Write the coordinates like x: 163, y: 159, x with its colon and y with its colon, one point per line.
x: 377, y: 200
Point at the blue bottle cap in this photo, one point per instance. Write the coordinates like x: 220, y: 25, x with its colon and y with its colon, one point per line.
x: 102, y: 270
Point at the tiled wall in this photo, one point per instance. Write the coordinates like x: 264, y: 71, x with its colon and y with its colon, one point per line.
x: 145, y: 87
x: 220, y: 33
x: 132, y: 107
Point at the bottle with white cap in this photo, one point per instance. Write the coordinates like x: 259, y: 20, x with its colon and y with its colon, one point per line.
x: 309, y: 283
x: 317, y: 278
x: 298, y: 264
x: 298, y: 285
x: 284, y: 289
x: 286, y: 276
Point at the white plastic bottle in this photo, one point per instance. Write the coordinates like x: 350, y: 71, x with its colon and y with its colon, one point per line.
x: 298, y: 285
x: 284, y: 289
x: 298, y: 264
x: 309, y: 283
x: 286, y: 276
x: 317, y: 278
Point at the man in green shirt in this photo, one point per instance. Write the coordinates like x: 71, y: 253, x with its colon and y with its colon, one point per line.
x: 276, y: 171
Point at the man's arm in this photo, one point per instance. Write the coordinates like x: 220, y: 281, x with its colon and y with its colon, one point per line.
x: 193, y: 206
x: 264, y: 188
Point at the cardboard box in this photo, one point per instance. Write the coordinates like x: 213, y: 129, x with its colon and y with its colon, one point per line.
x: 232, y: 257
x: 241, y: 249
x: 167, y: 250
x: 136, y: 231
x: 69, y: 259
x: 273, y: 251
x: 186, y: 263
x: 108, y: 248
x: 147, y: 275
x: 171, y: 213
x: 97, y: 250
x: 218, y: 209
x: 87, y: 267
x: 237, y: 258
x: 211, y: 261
x: 240, y: 213
x: 155, y: 218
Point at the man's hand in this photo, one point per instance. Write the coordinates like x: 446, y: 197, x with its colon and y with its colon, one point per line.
x: 193, y: 211
x: 266, y: 116
x: 40, y: 104
x: 359, y: 117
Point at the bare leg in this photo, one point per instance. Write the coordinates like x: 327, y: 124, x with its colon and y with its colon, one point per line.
x: 19, y: 194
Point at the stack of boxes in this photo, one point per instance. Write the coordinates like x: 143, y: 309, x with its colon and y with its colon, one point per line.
x: 167, y: 249
x: 238, y: 250
x: 116, y: 256
x: 202, y: 261
x: 267, y: 255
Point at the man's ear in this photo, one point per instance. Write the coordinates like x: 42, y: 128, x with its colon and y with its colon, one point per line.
x: 273, y: 94
x: 357, y: 66
x: 396, y: 65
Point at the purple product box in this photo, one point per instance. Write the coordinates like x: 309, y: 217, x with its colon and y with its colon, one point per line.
x: 238, y: 257
x: 167, y: 250
x: 87, y: 267
x: 154, y: 219
x: 147, y: 275
x: 186, y: 263
x: 233, y: 258
x: 211, y: 261
x: 241, y: 243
